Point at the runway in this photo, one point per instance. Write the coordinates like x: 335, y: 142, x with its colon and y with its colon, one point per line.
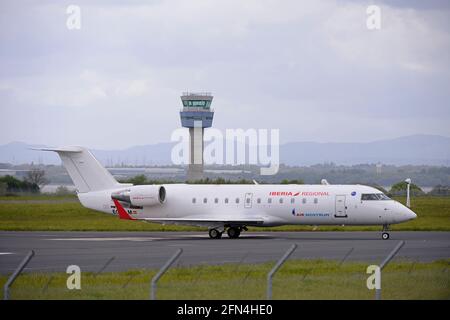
x: 119, y: 251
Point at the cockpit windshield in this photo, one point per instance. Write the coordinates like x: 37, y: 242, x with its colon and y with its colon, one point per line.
x: 374, y: 196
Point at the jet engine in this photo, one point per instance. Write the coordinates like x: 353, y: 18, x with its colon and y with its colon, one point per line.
x: 141, y: 196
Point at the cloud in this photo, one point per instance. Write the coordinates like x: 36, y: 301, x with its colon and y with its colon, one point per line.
x: 310, y: 68
x: 407, y: 39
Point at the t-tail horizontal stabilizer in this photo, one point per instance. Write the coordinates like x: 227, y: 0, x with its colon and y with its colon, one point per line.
x: 85, y: 171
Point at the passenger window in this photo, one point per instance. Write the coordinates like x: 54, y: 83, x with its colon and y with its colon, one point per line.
x: 205, y: 200
x: 304, y: 200
x: 216, y: 200
x: 247, y: 200
x: 226, y: 200
x: 281, y: 200
x: 193, y: 200
x: 269, y: 200
x: 237, y: 200
x: 316, y: 200
x: 258, y: 200
x: 292, y: 200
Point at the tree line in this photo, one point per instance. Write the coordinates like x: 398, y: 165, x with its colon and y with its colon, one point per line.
x: 35, y: 180
x: 398, y: 189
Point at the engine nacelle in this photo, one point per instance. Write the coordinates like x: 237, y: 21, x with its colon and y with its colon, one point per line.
x: 142, y: 196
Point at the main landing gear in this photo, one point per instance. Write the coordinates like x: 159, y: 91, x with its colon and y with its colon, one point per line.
x: 385, y: 233
x: 215, y: 234
x: 233, y: 232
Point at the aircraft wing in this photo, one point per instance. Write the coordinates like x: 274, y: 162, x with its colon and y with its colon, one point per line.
x: 195, y: 221
x: 240, y: 221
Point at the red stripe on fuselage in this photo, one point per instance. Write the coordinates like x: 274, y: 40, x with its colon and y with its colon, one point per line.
x: 123, y: 214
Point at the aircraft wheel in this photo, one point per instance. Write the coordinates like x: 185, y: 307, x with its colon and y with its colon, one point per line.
x: 233, y: 232
x: 215, y: 234
x: 385, y: 235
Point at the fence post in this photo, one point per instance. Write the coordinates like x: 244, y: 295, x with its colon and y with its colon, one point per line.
x: 104, y: 266
x: 384, y: 263
x: 275, y: 269
x: 161, y: 272
x: 16, y: 273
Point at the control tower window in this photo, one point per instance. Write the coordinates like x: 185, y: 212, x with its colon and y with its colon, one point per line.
x: 196, y: 103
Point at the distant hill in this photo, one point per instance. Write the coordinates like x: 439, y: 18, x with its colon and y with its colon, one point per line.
x: 154, y: 154
x: 414, y: 150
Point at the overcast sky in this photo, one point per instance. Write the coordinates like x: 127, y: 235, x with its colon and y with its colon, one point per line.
x: 309, y: 68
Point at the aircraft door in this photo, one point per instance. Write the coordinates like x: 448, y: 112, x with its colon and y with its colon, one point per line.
x: 248, y: 200
x: 340, y: 207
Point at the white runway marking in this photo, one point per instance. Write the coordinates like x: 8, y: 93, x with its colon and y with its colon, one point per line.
x: 5, y: 253
x: 137, y: 239
x: 107, y: 239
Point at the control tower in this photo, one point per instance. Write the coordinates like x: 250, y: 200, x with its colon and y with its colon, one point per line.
x: 196, y: 115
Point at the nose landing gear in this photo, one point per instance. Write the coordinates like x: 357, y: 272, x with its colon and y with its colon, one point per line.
x: 385, y: 233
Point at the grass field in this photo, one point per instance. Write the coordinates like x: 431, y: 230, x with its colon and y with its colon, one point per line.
x: 68, y: 217
x: 53, y: 213
x: 297, y: 279
x: 38, y: 197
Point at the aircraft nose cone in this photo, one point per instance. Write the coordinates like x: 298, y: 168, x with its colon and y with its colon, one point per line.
x: 410, y: 214
x: 404, y: 213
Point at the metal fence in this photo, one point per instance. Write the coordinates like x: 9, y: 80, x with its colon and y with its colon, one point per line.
x: 242, y: 277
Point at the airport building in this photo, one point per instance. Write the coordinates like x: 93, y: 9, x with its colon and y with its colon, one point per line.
x: 196, y: 115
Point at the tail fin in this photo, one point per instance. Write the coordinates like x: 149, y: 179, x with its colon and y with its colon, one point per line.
x: 86, y: 172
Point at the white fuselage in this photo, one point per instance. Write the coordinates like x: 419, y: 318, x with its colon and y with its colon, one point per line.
x: 274, y: 204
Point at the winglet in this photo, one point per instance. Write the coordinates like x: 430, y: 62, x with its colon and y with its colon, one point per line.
x: 123, y: 214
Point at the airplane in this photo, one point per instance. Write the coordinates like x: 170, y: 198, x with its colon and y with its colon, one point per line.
x: 230, y: 208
